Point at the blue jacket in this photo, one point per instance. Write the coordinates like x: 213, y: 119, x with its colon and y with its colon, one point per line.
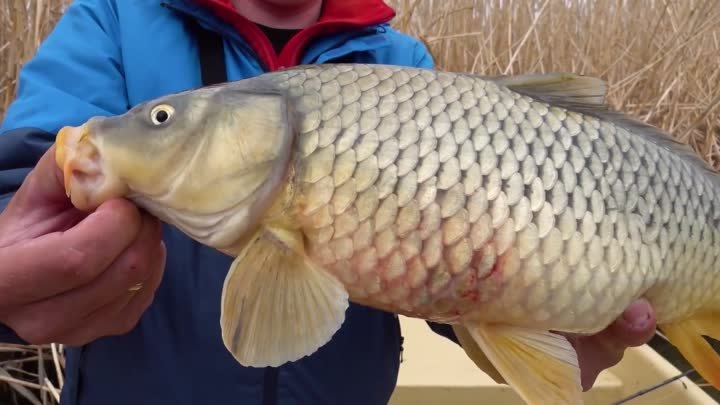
x: 105, y: 56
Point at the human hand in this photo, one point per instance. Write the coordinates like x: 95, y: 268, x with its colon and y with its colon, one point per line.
x: 604, y: 350
x: 67, y: 276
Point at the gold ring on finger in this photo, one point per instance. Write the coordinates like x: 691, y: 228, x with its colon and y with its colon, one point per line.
x: 136, y: 287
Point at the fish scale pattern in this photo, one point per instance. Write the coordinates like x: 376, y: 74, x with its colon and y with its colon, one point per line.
x: 447, y: 196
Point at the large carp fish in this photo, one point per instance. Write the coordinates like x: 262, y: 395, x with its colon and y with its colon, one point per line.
x: 511, y: 208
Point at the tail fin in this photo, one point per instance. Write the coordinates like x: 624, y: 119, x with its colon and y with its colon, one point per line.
x: 687, y: 336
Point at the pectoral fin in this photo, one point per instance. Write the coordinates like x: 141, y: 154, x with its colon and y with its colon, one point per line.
x: 541, y: 366
x: 687, y: 336
x: 277, y: 306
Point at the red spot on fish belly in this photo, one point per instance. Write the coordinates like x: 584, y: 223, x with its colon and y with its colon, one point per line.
x: 469, y: 287
x: 484, y: 266
x: 485, y: 269
x: 470, y: 295
x: 497, y: 267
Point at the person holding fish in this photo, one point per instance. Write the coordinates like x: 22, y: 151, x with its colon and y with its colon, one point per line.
x: 136, y: 302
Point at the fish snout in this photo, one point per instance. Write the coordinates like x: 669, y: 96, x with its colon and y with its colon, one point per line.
x: 87, y: 181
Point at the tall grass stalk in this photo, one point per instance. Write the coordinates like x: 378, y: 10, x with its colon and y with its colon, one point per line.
x: 23, y: 25
x: 661, y: 59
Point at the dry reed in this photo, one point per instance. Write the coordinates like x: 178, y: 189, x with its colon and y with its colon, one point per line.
x: 661, y: 59
x: 23, y: 25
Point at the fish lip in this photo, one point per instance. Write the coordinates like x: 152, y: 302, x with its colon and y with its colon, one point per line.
x: 88, y: 181
x: 68, y: 142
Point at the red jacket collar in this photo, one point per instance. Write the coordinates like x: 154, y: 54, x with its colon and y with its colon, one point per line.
x: 336, y: 15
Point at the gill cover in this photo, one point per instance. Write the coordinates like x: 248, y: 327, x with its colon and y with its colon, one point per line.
x: 233, y: 164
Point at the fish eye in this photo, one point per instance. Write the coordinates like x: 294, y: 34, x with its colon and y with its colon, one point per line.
x: 161, y: 113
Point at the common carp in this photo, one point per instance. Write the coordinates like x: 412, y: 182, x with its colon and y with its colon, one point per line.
x: 513, y: 208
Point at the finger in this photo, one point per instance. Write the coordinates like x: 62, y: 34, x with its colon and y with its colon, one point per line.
x: 141, y: 299
x: 121, y: 316
x: 133, y: 266
x: 596, y: 353
x: 65, y: 311
x: 40, y: 268
x: 43, y: 185
x: 635, y: 327
x: 40, y: 205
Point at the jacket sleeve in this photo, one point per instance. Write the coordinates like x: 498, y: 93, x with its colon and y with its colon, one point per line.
x: 422, y: 57
x: 76, y: 73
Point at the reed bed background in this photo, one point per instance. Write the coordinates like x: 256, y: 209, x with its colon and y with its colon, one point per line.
x: 660, y: 58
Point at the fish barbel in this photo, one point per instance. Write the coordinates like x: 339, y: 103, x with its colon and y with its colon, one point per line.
x: 510, y: 207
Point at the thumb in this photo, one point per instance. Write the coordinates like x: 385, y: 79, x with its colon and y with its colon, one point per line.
x: 43, y: 186
x: 637, y: 324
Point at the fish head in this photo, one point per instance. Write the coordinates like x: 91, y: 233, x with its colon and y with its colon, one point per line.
x: 207, y: 160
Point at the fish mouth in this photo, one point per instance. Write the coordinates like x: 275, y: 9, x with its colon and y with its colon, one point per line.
x: 87, y: 180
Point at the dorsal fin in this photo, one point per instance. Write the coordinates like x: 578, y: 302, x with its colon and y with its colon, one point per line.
x: 656, y: 136
x: 558, y: 88
x: 586, y: 95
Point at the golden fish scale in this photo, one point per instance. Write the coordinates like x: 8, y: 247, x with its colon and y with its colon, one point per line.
x: 443, y: 196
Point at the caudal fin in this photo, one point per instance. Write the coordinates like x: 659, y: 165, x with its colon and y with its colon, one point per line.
x: 687, y: 336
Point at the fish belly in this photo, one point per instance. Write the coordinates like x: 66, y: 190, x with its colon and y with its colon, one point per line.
x: 447, y: 197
